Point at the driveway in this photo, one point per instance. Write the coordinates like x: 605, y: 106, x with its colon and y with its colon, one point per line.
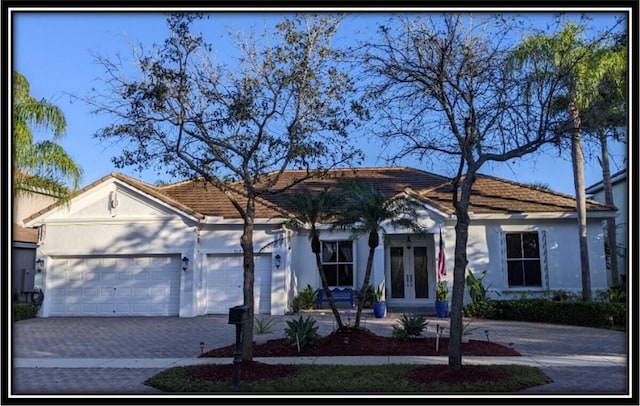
x: 57, y: 342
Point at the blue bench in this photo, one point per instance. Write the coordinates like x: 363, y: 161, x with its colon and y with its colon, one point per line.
x: 340, y: 295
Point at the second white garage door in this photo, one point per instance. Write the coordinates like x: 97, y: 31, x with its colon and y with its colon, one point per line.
x: 224, y: 278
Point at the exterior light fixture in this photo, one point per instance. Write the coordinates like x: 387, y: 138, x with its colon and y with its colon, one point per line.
x: 39, y: 264
x: 408, y: 242
x: 278, y: 259
x: 185, y: 263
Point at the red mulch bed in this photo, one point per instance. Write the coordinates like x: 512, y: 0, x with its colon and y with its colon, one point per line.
x: 364, y: 342
x: 356, y: 342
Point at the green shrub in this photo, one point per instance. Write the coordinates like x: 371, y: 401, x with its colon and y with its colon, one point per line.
x: 477, y: 290
x: 365, y: 296
x: 305, y: 300
x: 399, y: 333
x: 589, y: 314
x: 301, y: 332
x: 23, y: 311
x: 262, y: 325
x: 413, y: 325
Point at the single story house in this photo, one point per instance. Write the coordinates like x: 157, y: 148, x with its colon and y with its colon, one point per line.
x: 123, y: 247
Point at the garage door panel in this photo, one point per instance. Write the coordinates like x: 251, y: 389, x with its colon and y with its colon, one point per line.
x: 114, y: 286
x: 225, y: 280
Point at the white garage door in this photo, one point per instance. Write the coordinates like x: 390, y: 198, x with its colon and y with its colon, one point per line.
x: 224, y: 276
x: 114, y: 286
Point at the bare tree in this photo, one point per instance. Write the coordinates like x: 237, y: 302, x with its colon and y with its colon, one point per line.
x: 284, y: 104
x: 445, y: 85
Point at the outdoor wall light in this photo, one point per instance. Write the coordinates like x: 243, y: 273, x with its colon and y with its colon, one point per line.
x: 39, y: 264
x: 185, y: 263
x: 278, y: 259
x: 408, y: 242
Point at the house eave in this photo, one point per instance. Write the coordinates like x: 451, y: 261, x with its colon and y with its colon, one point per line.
x: 223, y: 220
x: 540, y: 216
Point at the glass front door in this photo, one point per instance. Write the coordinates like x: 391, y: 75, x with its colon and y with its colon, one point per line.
x: 409, y: 274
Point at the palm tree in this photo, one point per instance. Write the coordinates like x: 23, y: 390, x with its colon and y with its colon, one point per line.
x: 606, y: 118
x: 43, y: 165
x: 365, y: 212
x: 309, y: 211
x: 581, y: 65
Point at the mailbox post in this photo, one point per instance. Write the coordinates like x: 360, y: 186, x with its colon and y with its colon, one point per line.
x: 238, y: 315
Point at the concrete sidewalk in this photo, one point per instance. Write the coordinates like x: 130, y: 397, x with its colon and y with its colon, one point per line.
x: 539, y: 361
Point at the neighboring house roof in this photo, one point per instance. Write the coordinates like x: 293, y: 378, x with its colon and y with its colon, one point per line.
x: 23, y: 234
x: 618, y: 177
x: 490, y: 195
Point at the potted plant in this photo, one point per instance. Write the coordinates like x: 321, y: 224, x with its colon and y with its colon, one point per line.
x: 442, y: 299
x: 379, y: 305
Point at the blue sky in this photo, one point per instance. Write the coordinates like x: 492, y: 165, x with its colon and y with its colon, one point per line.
x: 54, y: 51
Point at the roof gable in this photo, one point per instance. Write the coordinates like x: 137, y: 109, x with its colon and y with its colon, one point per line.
x: 114, y: 195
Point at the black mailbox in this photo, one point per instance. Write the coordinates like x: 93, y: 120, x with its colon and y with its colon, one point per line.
x: 238, y: 314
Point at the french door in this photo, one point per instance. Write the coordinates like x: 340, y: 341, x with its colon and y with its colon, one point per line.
x: 408, y: 273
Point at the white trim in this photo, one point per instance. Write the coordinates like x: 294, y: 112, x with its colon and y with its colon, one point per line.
x: 119, y: 220
x: 222, y: 220
x: 544, y: 274
x: 20, y: 244
x: 541, y: 216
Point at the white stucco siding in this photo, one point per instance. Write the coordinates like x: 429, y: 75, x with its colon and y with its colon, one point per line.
x: 96, y: 238
x: 559, y: 256
x: 303, y: 262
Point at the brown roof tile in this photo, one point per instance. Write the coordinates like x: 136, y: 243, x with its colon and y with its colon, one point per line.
x: 490, y: 194
x: 23, y: 234
x: 494, y: 195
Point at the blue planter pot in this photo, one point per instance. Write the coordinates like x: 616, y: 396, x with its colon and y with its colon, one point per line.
x: 442, y: 309
x: 379, y: 309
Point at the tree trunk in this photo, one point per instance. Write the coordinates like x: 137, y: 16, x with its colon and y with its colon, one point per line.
x: 608, y: 198
x: 460, y: 265
x: 325, y: 285
x: 577, y: 160
x: 246, y: 242
x: 367, y: 274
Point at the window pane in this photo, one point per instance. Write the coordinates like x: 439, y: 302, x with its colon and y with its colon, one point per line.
x: 397, y: 272
x: 515, y: 273
x: 530, y: 245
x: 514, y: 245
x: 345, y: 275
x: 420, y: 272
x: 328, y: 251
x: 344, y: 252
x: 332, y: 274
x: 532, y: 274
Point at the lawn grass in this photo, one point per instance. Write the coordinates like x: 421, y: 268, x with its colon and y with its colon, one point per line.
x: 350, y: 379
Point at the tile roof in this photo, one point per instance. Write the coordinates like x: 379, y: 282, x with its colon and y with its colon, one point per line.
x: 23, y: 234
x: 490, y: 195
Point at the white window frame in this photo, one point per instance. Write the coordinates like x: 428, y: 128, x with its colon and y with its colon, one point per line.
x: 340, y: 241
x: 542, y: 247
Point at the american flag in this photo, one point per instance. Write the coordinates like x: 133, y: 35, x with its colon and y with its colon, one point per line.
x: 442, y: 270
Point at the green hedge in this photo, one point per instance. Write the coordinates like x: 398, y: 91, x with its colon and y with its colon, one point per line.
x: 589, y: 314
x: 23, y: 311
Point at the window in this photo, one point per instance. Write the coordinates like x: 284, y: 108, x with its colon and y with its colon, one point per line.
x: 337, y: 262
x: 523, y: 259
